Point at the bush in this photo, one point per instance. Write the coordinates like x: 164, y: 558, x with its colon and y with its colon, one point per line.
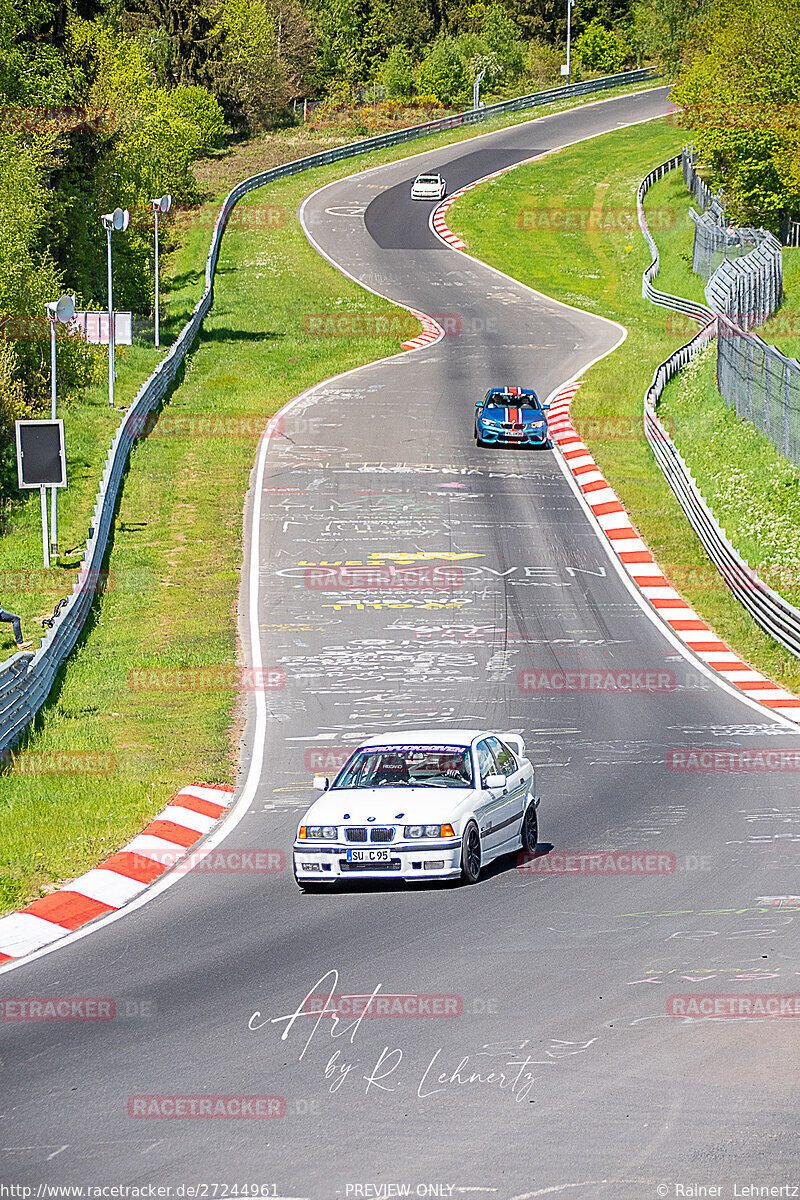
x: 442, y: 72
x: 601, y: 49
x: 396, y: 74
x: 542, y: 64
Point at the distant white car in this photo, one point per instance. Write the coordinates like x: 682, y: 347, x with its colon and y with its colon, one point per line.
x: 430, y: 804
x: 428, y: 187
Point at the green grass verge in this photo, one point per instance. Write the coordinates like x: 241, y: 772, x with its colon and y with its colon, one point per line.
x: 753, y: 491
x: 598, y: 267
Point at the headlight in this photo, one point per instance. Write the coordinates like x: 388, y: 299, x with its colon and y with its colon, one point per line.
x: 490, y: 424
x: 428, y: 831
x: 319, y: 833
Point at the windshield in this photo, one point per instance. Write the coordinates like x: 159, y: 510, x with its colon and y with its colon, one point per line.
x: 428, y: 179
x: 504, y: 400
x: 407, y: 766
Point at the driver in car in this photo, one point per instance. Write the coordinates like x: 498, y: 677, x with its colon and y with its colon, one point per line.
x: 393, y: 771
x: 457, y: 769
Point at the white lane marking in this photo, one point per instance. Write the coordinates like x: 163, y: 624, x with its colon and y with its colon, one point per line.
x: 240, y: 807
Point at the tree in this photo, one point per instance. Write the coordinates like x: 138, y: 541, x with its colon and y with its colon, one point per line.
x: 600, y: 49
x: 740, y: 93
x: 442, y: 72
x: 661, y: 29
x: 396, y: 75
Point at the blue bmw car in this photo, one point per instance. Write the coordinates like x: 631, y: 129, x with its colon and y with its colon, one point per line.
x: 512, y: 415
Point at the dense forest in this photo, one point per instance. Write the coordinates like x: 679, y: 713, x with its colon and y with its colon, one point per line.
x: 109, y: 102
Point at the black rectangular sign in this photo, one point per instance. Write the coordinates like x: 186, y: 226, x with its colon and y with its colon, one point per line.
x: 41, y: 459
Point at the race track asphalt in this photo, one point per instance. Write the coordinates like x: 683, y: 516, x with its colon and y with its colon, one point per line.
x: 562, y: 1070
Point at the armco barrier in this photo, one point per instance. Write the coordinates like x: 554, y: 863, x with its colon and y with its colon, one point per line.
x: 774, y: 614
x: 26, y: 679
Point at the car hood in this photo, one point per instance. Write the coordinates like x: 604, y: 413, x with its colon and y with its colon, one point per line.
x: 513, y: 415
x: 387, y: 806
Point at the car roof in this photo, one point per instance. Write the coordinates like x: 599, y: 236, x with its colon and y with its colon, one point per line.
x: 428, y: 737
x: 512, y: 391
x: 429, y: 175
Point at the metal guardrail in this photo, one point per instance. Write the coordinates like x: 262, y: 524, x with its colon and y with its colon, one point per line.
x: 26, y: 679
x: 743, y: 265
x: 775, y: 615
x: 689, y: 308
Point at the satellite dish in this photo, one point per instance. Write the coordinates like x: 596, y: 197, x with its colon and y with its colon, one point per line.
x: 65, y: 309
x: 120, y: 218
x: 165, y: 204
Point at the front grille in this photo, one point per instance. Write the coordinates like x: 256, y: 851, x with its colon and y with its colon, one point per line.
x: 381, y: 835
x: 392, y: 865
x: 354, y: 834
x: 511, y: 425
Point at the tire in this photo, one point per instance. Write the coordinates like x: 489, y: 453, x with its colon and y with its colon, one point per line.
x: 470, y: 854
x: 529, y: 833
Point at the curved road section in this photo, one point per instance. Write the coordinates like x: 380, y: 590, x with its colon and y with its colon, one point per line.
x: 535, y: 1035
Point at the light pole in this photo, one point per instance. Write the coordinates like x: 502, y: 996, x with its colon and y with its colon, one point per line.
x: 61, y: 310
x: 476, y: 88
x: 569, y: 38
x: 162, y: 205
x: 116, y: 220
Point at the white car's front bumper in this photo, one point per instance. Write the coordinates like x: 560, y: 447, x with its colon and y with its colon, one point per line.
x: 438, y: 194
x: 428, y: 860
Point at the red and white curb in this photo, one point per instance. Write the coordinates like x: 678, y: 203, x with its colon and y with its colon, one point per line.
x: 187, y: 818
x: 438, y: 222
x: 645, y: 572
x: 430, y: 332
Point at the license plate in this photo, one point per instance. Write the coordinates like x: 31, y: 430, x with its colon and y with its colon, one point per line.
x: 515, y: 433
x: 368, y: 856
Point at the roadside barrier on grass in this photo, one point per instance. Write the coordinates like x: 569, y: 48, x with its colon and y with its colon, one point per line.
x: 755, y: 378
x: 26, y: 679
x: 743, y: 265
x: 774, y: 614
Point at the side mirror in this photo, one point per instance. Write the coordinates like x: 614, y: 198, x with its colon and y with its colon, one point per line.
x: 321, y: 783
x: 495, y: 781
x: 545, y: 408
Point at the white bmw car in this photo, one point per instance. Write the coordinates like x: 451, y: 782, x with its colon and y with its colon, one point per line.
x: 428, y: 187
x: 430, y: 804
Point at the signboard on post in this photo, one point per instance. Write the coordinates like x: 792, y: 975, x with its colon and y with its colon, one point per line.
x: 42, y: 463
x: 93, y: 327
x: 41, y: 459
